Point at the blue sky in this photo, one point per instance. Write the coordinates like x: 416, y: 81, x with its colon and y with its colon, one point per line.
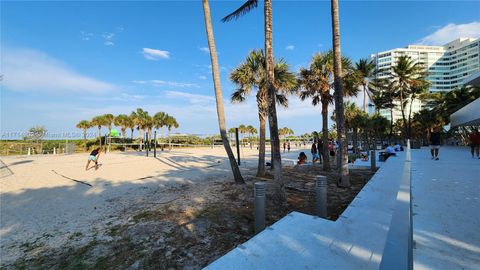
x: 63, y: 62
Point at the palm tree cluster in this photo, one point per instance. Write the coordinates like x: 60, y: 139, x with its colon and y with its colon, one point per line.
x: 406, y: 83
x: 245, y: 132
x: 261, y: 73
x: 439, y: 107
x: 138, y: 119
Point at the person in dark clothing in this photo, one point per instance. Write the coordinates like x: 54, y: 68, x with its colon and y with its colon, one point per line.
x: 320, y: 150
x: 435, y: 143
x: 288, y: 147
x: 314, y: 152
x: 94, y: 155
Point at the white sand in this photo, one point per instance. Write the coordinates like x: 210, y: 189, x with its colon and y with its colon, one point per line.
x: 40, y: 204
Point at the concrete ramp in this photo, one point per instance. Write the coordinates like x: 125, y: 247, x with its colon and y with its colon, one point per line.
x: 355, y: 241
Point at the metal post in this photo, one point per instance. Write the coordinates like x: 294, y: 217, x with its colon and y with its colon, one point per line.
x: 29, y: 153
x: 54, y: 151
x: 373, y: 161
x: 259, y: 207
x: 408, y: 155
x: 155, y: 144
x: 321, y: 198
x: 238, y: 145
x: 146, y: 143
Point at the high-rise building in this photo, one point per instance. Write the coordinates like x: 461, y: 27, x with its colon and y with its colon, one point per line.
x: 448, y: 66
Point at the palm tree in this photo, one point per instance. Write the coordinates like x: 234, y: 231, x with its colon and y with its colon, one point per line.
x: 122, y: 121
x: 170, y: 123
x: 315, y: 83
x: 132, y: 122
x: 85, y: 125
x: 252, y: 130
x: 353, y: 120
x: 338, y: 95
x: 406, y: 76
x: 383, y: 97
x: 251, y: 74
x: 99, y: 121
x: 365, y: 69
x: 242, y: 129
x: 270, y: 75
x: 140, y: 118
x: 159, y: 120
x: 218, y: 93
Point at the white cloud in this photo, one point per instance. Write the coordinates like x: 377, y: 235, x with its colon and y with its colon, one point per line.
x: 166, y: 83
x: 190, y: 98
x: 201, y: 77
x: 34, y: 71
x: 154, y: 54
x: 290, y: 47
x: 86, y: 36
x: 205, y: 49
x: 450, y: 32
x: 108, y: 39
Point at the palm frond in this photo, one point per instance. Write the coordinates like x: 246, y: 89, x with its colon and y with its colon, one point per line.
x: 244, y: 9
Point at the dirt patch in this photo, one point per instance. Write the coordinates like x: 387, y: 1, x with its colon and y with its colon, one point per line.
x: 201, y: 223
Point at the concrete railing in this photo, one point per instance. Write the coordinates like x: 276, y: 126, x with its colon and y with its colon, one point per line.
x: 398, y: 251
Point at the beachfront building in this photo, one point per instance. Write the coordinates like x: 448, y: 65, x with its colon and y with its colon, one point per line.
x: 448, y: 66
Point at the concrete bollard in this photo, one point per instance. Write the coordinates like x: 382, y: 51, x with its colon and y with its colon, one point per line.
x: 29, y: 151
x: 408, y: 156
x: 321, y: 196
x: 259, y: 208
x: 54, y: 150
x: 373, y: 161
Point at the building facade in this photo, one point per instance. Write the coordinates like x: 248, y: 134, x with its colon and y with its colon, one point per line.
x: 448, y: 66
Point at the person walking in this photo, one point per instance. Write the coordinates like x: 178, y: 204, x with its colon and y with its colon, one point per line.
x: 314, y: 152
x: 475, y: 143
x: 435, y: 143
x: 284, y: 146
x: 320, y: 150
x: 288, y: 147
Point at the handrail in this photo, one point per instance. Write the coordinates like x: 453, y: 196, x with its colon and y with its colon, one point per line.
x: 398, y: 251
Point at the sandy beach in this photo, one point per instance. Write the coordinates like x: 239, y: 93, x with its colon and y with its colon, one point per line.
x: 46, y: 200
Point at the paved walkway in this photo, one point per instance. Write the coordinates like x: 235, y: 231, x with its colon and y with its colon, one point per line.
x: 446, y: 207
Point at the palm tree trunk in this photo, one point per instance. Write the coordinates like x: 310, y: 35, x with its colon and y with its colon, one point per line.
x: 218, y: 94
x: 355, y: 139
x: 405, y: 131
x: 85, y: 139
x: 131, y: 134
x: 100, y: 136
x: 364, y: 97
x: 169, y: 139
x: 409, y: 133
x: 325, y: 154
x: 262, y: 117
x: 272, y: 110
x: 391, y: 125
x: 338, y: 81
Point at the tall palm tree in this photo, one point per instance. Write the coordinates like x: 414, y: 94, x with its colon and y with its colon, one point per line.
x: 365, y: 69
x: 109, y: 118
x: 170, y: 123
x: 140, y: 118
x: 315, y: 84
x: 406, y: 75
x: 99, y: 121
x: 250, y: 75
x: 272, y: 110
x: 218, y: 93
x: 132, y: 124
x: 383, y: 97
x: 159, y: 120
x: 122, y: 121
x: 85, y: 125
x: 338, y: 95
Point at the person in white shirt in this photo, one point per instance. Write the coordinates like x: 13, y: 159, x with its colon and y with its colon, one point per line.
x: 390, y: 150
